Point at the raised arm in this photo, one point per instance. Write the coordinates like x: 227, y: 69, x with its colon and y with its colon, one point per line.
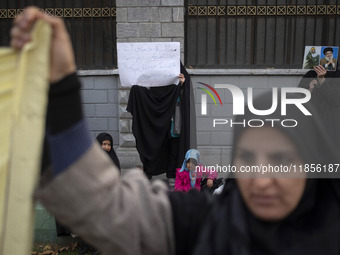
x: 328, y: 88
x: 84, y: 190
x: 62, y: 58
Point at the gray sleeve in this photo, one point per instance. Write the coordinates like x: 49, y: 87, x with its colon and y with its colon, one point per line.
x: 118, y: 215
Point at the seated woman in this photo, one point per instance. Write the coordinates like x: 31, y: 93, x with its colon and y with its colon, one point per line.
x: 106, y: 142
x: 190, y: 175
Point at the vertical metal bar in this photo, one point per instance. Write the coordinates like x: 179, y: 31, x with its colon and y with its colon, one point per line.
x: 275, y: 35
x: 114, y: 35
x: 295, y: 31
x: 226, y: 33
x: 186, y: 14
x: 251, y: 49
x: 335, y: 23
x: 8, y: 26
x: 265, y: 35
x: 113, y: 24
x: 327, y: 23
x: 305, y: 27
x: 218, y: 58
x: 92, y: 38
x: 111, y: 32
x: 325, y: 28
x: 235, y: 58
x: 197, y: 51
x: 4, y: 42
x: 206, y: 35
x: 285, y: 37
x: 255, y: 34
x: 83, y: 32
x: 102, y: 34
x: 245, y: 36
x: 289, y: 39
x: 315, y: 22
x: 72, y: 30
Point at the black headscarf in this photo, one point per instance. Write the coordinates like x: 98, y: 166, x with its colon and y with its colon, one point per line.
x: 103, y: 137
x: 226, y: 226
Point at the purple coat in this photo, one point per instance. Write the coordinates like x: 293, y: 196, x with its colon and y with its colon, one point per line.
x: 182, y: 182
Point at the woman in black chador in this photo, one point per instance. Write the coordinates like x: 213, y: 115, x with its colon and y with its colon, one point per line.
x: 325, y: 88
x: 160, y: 149
x: 106, y: 141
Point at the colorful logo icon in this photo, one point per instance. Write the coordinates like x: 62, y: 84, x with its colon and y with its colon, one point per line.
x: 209, y: 93
x: 204, y: 97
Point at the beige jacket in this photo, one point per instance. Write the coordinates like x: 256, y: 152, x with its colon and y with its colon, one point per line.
x: 118, y: 215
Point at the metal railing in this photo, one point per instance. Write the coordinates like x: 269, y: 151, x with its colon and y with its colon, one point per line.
x: 91, y: 25
x: 257, y: 34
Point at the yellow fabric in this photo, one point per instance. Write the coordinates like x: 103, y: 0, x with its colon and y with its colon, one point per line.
x: 23, y: 99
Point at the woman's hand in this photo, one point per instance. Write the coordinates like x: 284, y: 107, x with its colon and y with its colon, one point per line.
x: 62, y: 59
x: 321, y: 72
x: 181, y: 78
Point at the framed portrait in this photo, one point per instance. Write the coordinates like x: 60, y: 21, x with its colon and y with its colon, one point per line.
x: 327, y: 56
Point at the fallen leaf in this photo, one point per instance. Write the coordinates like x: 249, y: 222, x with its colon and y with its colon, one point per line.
x: 47, y: 247
x: 48, y: 252
x: 63, y: 249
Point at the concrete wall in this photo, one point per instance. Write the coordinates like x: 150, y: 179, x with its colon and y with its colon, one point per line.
x: 150, y: 21
x: 105, y: 108
x: 100, y: 96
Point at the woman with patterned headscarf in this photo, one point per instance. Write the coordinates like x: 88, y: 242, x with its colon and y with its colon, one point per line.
x: 190, y: 175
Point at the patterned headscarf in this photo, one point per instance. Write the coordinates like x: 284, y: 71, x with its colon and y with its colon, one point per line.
x: 192, y: 153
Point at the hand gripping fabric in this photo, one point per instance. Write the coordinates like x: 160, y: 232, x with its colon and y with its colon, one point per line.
x: 23, y: 99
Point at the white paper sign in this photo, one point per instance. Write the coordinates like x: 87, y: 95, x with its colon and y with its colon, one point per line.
x: 149, y: 64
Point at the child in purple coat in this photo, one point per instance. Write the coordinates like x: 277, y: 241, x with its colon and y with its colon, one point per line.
x: 191, y: 174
